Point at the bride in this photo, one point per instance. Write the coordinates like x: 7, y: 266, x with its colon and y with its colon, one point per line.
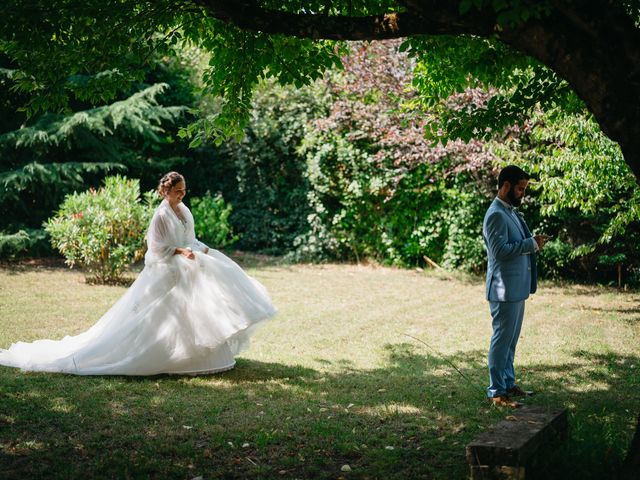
x: 190, y: 311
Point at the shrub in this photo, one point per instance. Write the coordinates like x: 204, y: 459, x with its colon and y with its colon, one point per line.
x: 266, y: 180
x: 554, y: 259
x: 102, y: 231
x: 211, y: 215
x: 28, y: 240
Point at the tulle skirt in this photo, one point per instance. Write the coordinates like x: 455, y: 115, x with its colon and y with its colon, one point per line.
x: 180, y: 316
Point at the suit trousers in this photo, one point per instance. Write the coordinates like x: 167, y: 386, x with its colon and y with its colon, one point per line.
x: 507, y: 322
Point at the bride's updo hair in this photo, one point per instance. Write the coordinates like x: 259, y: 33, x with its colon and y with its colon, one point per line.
x: 168, y: 181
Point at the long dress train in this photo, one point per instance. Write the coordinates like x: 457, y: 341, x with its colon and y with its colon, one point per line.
x: 179, y: 316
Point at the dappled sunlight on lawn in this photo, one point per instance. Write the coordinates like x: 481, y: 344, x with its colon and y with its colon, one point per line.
x: 334, y: 379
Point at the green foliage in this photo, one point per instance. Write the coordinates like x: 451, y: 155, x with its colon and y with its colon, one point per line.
x: 211, y: 214
x: 346, y: 196
x: 359, y: 211
x: 90, y: 50
x: 342, y: 175
x: 64, y: 50
x: 262, y: 175
x: 586, y: 193
x: 377, y: 189
x: 30, y: 240
x: 233, y: 77
x: 102, y: 231
x: 52, y: 155
x: 414, y: 227
x: 446, y: 65
x: 477, y: 88
x: 347, y: 177
x: 462, y: 214
x: 95, y: 50
x: 554, y: 261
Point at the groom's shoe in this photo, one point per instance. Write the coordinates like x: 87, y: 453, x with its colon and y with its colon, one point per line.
x: 504, y: 401
x: 518, y: 392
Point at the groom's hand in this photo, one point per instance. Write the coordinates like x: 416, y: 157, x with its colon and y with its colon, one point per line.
x: 542, y: 240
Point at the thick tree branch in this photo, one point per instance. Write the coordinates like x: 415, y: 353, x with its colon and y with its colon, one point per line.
x: 632, y: 462
x: 595, y: 46
x: 434, y: 18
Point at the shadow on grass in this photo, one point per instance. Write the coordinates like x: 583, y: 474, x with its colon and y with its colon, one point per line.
x: 57, y: 264
x: 409, y: 419
x: 25, y: 265
x: 247, y: 260
x: 632, y: 314
x: 583, y: 289
x: 600, y: 391
x: 464, y: 278
x: 251, y: 260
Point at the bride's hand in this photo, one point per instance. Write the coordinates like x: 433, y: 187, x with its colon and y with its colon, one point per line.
x: 188, y: 253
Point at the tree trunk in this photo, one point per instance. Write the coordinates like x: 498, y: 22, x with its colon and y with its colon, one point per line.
x: 595, y: 46
x: 632, y: 462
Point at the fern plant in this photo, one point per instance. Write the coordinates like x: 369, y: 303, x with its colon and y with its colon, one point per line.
x: 57, y: 154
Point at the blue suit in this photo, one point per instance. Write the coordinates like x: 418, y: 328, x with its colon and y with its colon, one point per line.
x: 511, y: 277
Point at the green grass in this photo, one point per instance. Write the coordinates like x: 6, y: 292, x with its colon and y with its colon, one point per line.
x: 332, y: 380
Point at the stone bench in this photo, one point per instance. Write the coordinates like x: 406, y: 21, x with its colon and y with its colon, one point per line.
x: 508, y: 450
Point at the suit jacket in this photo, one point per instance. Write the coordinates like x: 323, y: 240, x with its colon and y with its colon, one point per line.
x: 511, y: 266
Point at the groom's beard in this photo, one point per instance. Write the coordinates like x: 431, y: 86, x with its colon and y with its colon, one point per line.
x: 516, y: 202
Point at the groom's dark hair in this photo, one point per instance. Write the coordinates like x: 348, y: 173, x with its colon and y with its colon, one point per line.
x: 512, y: 174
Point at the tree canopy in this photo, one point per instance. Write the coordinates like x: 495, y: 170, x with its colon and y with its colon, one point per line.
x: 539, y: 51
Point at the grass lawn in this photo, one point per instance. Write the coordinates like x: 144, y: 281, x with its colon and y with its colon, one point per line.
x: 333, y: 380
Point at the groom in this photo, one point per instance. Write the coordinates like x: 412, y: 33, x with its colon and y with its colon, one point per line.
x: 511, y: 277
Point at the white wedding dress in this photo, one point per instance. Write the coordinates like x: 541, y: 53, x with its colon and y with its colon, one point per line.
x: 180, y: 316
